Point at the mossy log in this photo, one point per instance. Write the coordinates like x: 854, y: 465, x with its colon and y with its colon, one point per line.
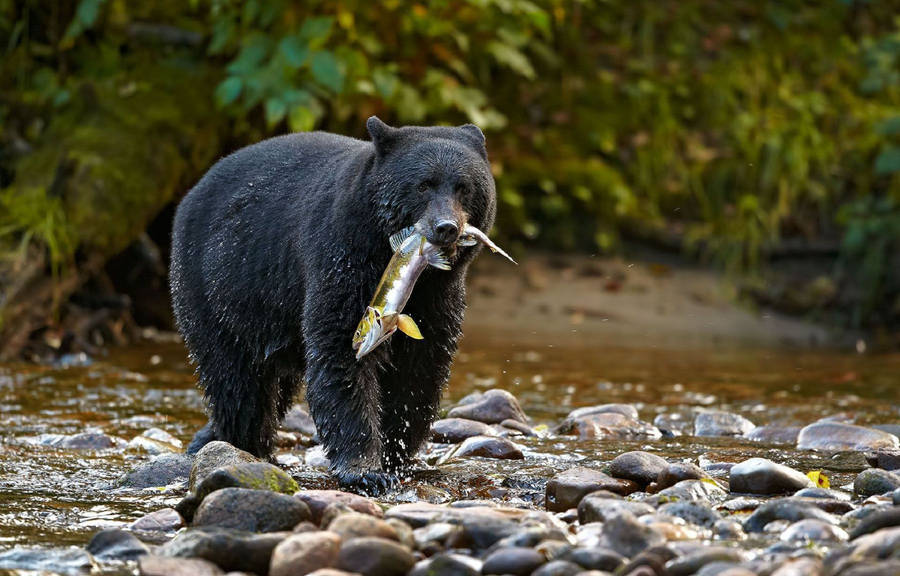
x: 99, y: 173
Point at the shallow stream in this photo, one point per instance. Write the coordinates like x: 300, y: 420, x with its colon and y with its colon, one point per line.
x: 57, y: 497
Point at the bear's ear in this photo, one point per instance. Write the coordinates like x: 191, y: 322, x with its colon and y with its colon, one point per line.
x: 474, y: 132
x: 383, y: 136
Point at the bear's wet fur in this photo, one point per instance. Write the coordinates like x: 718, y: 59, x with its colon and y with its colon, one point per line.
x: 275, y: 254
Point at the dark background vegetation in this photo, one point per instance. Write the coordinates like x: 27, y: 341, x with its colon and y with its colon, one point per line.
x: 759, y: 136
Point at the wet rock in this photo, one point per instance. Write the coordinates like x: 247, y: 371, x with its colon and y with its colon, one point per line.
x: 558, y: 568
x: 514, y: 427
x: 602, y: 559
x: 805, y: 566
x: 488, y: 447
x: 674, y: 423
x: 483, y: 527
x: 889, y: 428
x: 116, y: 544
x: 305, y: 553
x: 692, y: 512
x: 403, y: 531
x: 823, y: 493
x: 718, y: 423
x: 608, y: 425
x: 216, y: 454
x: 298, y: 420
x: 166, y: 566
x: 706, y: 490
x: 726, y: 529
x: 356, y: 525
x: 251, y: 510
x: 318, y: 500
x: 228, y: 549
x: 332, y: 511
x: 375, y: 557
x: 838, y: 436
x: 454, y: 430
x: 882, y: 544
x: 626, y: 410
x: 884, y: 518
x: 566, y: 489
x: 158, y: 526
x: 641, y: 467
x: 874, y: 482
x: 492, y: 407
x: 811, y: 530
x: 249, y: 475
x: 895, y: 498
x: 436, y: 532
x: 788, y: 509
x: 599, y: 508
x: 872, y: 568
x: 762, y: 476
x: 155, y: 441
x: 675, y: 472
x: 65, y: 561
x: 419, y: 514
x: 517, y: 561
x: 774, y: 434
x: 321, y: 572
x: 162, y: 470
x: 447, y: 565
x: 624, y: 534
x: 90, y: 440
x: 673, y: 531
x: 693, y: 562
x: 886, y: 459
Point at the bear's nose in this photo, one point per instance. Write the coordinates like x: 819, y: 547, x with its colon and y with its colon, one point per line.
x: 445, y: 232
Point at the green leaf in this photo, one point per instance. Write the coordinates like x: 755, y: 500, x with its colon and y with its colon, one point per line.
x: 275, y: 111
x: 327, y: 71
x: 316, y: 30
x: 255, y: 49
x: 889, y: 127
x: 85, y: 17
x: 294, y: 51
x: 385, y: 82
x: 888, y: 161
x: 228, y: 91
x: 301, y: 119
x: 511, y: 58
x: 221, y: 36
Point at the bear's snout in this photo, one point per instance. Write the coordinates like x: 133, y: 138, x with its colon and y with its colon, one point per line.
x: 445, y: 233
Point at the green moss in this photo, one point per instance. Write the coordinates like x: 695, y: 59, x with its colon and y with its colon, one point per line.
x: 272, y: 479
x: 107, y: 164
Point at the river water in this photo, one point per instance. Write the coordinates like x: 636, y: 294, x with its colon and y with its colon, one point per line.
x: 56, y: 497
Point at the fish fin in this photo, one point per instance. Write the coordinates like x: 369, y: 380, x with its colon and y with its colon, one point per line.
x: 438, y: 260
x: 408, y: 326
x: 400, y: 237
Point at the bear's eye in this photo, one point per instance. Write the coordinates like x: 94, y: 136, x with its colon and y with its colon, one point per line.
x: 461, y: 189
x: 427, y: 185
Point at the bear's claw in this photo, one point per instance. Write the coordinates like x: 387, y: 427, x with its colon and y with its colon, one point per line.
x: 373, y: 483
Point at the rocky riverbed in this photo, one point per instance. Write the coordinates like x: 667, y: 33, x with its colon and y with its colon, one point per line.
x: 498, y: 492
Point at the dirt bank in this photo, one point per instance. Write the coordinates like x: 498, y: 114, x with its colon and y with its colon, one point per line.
x: 562, y: 300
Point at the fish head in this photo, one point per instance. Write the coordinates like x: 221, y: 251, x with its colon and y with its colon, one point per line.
x: 373, y: 329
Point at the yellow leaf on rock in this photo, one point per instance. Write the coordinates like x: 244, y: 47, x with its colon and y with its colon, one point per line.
x: 819, y: 478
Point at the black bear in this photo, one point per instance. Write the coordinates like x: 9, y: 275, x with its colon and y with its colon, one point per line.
x: 275, y: 255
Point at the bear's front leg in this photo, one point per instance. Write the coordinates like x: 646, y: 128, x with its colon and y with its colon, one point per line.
x: 344, y: 400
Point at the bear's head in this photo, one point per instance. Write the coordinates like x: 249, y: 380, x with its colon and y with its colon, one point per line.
x: 436, y: 177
